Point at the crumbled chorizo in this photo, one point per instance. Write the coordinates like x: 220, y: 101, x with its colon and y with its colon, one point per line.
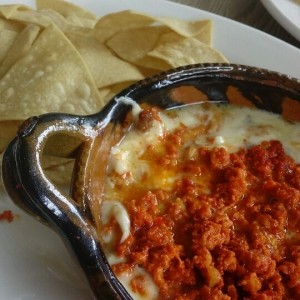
x: 147, y: 117
x: 225, y: 260
x: 138, y: 285
x: 221, y: 231
x: 220, y: 158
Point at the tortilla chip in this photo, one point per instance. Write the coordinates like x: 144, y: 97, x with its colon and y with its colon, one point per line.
x: 51, y: 77
x: 111, y: 24
x: 8, y: 131
x: 65, y: 15
x: 10, y: 25
x: 205, y: 35
x: 153, y: 63
x: 81, y: 22
x: 65, y: 8
x: 7, y: 11
x: 106, y: 94
x: 109, y: 92
x: 179, y: 51
x: 7, y: 38
x: 184, y: 28
x: 74, y: 15
x: 117, y: 88
x: 58, y: 170
x: 43, y: 17
x: 109, y: 69
x: 63, y: 24
x: 30, y: 17
x: 132, y: 45
x: 20, y: 46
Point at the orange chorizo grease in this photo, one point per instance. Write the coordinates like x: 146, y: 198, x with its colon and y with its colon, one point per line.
x: 226, y: 228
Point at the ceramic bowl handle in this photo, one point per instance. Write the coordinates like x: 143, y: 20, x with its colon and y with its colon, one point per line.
x: 28, y: 186
x: 22, y: 166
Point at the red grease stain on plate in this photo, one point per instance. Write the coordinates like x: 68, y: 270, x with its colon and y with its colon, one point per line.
x: 7, y: 215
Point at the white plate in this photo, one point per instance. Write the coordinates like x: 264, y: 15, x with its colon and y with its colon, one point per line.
x: 287, y: 14
x: 34, y: 263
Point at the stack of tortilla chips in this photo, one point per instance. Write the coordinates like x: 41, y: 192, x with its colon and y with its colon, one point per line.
x: 61, y: 58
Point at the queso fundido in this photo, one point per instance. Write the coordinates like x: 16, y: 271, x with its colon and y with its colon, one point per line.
x: 203, y: 202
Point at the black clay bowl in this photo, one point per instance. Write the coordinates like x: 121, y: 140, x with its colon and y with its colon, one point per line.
x: 88, y: 139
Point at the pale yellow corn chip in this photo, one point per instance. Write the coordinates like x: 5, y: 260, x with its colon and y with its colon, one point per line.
x: 185, y: 51
x: 7, y: 11
x: 20, y: 47
x: 7, y: 38
x: 65, y: 8
x: 109, y: 69
x: 111, y: 24
x: 132, y: 45
x: 51, y: 77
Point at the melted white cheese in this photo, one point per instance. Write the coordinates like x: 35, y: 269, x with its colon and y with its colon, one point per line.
x: 116, y: 210
x: 246, y: 127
